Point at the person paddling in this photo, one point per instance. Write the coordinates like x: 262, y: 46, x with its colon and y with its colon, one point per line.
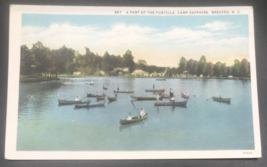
x: 142, y: 112
x: 129, y: 117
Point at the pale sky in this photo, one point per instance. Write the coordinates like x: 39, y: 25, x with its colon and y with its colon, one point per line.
x: 160, y: 40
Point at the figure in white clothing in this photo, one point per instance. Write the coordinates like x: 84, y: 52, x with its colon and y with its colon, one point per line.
x: 77, y: 98
x: 172, y: 99
x: 142, y: 112
x: 129, y: 117
x: 157, y: 97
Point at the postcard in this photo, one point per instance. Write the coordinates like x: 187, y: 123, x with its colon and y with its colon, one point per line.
x: 102, y: 83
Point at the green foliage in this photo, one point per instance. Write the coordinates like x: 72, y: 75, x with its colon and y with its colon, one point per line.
x: 217, y: 69
x: 128, y: 61
x: 236, y: 68
x: 202, y: 65
x: 182, y: 64
x: 210, y: 69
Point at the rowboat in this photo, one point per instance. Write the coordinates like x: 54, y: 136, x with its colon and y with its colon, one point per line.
x: 133, y: 120
x: 123, y: 91
x: 226, y: 100
x: 177, y: 103
x: 68, y: 102
x: 87, y: 105
x: 143, y: 98
x: 155, y: 90
x: 112, y: 98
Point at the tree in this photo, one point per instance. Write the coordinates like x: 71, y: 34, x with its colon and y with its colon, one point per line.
x: 244, y: 69
x: 210, y: 69
x: 128, y: 61
x: 217, y: 69
x: 236, y: 68
x: 41, y: 56
x: 182, y: 64
x: 223, y: 70
x: 106, y: 62
x: 27, y: 61
x: 195, y: 67
x: 190, y: 66
x: 202, y: 65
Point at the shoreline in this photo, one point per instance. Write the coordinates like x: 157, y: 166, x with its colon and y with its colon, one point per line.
x: 36, y: 80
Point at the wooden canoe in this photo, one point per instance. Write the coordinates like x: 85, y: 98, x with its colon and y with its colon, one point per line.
x: 94, y: 95
x: 112, y: 98
x: 177, y: 103
x: 123, y: 91
x: 155, y: 90
x: 87, y: 105
x: 226, y: 100
x: 90, y: 95
x: 133, y: 120
x: 100, y: 97
x: 68, y: 102
x: 143, y: 98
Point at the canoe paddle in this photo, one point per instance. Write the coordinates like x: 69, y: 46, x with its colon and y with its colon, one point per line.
x: 135, y: 107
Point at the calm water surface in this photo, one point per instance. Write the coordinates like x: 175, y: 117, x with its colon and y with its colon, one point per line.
x: 202, y: 125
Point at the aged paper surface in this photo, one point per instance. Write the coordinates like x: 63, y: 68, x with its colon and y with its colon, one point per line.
x: 138, y: 57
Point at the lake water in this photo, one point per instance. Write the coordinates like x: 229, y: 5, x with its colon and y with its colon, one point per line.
x: 202, y: 125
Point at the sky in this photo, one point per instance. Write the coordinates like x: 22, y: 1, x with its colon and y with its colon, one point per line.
x: 160, y: 40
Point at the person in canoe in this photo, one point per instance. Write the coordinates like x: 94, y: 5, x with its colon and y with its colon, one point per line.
x: 157, y: 97
x: 142, y: 112
x: 129, y: 117
x: 173, y: 99
x: 171, y: 93
x: 77, y: 98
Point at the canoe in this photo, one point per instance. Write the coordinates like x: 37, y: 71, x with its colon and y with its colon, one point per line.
x: 133, y: 120
x: 143, y: 98
x: 100, y: 97
x: 123, y: 91
x: 87, y: 105
x: 155, y: 90
x: 177, y: 103
x: 112, y: 98
x: 68, y: 102
x: 227, y: 100
x: 90, y: 95
x: 94, y: 95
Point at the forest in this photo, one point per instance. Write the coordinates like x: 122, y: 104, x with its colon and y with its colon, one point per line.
x: 42, y: 61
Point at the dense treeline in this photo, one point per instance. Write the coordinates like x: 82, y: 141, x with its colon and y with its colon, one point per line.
x: 202, y: 67
x: 42, y: 60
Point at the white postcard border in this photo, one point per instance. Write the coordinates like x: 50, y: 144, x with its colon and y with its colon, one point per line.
x: 13, y: 90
